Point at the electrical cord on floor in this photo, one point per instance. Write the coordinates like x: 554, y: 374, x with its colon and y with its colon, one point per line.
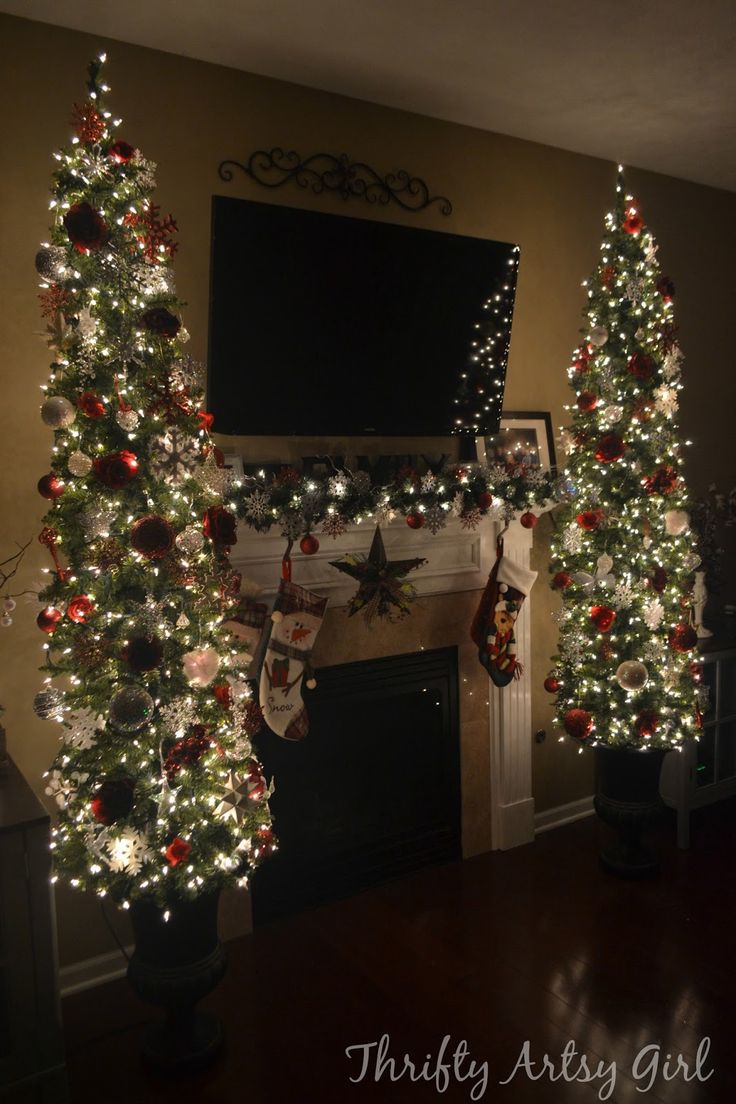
x: 113, y: 933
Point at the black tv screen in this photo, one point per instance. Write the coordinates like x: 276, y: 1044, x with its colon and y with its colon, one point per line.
x: 326, y: 325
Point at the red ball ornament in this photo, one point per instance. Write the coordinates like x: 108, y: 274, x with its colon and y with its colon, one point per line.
x: 561, y: 581
x: 590, y: 519
x: 415, y: 520
x: 587, y: 401
x: 666, y: 288
x: 641, y: 366
x: 152, y: 536
x: 48, y: 619
x: 610, y: 448
x: 528, y: 520
x: 116, y: 469
x: 578, y: 723
x: 602, y: 617
x: 178, y: 851
x: 113, y: 800
x: 309, y: 544
x: 79, y: 608
x: 633, y: 222
x: 551, y: 684
x: 87, y: 230
x: 143, y: 653
x: 50, y: 486
x: 121, y: 152
x: 646, y: 723
x: 485, y: 500
x: 683, y: 638
x: 91, y: 405
x: 662, y: 481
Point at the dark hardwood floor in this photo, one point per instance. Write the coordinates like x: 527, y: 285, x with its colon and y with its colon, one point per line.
x: 534, y: 944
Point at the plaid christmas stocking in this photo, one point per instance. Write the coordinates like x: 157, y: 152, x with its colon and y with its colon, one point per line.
x: 297, y: 617
x: 493, y: 626
x: 246, y: 626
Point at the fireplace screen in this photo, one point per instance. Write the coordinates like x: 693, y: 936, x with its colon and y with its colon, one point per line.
x: 373, y: 792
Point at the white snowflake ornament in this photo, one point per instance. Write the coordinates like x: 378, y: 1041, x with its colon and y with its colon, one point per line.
x: 174, y: 456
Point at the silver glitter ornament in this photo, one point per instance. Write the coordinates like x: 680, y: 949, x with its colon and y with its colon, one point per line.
x: 190, y: 540
x: 49, y: 704
x: 51, y: 263
x: 97, y: 522
x: 598, y: 336
x: 57, y: 412
x: 130, y: 709
x: 79, y: 463
x: 127, y: 420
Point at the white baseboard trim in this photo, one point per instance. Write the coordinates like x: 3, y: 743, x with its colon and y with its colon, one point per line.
x: 91, y: 972
x: 563, y: 814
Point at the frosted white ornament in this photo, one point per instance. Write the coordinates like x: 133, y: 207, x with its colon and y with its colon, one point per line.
x: 605, y: 563
x: 598, y: 336
x: 9, y: 604
x: 79, y: 463
x: 632, y: 675
x: 200, y: 666
x: 6, y: 620
x: 57, y: 412
x: 676, y: 522
x: 127, y: 420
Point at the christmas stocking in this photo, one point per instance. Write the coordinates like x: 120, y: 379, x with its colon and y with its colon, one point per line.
x: 297, y: 617
x: 493, y: 626
x: 246, y: 626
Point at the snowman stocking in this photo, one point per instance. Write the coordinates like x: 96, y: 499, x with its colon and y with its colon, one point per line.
x: 297, y: 617
x: 494, y: 623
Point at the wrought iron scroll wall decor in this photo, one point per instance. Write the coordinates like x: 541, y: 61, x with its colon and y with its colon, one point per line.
x: 324, y: 172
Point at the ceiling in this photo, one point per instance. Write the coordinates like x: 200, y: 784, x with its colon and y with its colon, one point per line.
x: 647, y: 82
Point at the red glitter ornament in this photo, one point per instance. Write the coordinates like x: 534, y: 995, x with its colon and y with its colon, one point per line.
x: 178, y: 851
x: 602, y: 617
x: 116, y: 469
x: 610, y: 448
x: 91, y: 405
x: 89, y: 126
x: 187, y: 752
x: 50, y: 486
x: 152, y: 536
x: 578, y: 723
x: 528, y: 520
x: 561, y: 580
x: 87, y: 230
x: 647, y: 721
x: 590, y: 519
x: 113, y: 800
x: 666, y: 288
x: 662, y: 481
x: 53, y: 300
x: 309, y: 544
x: 415, y: 520
x: 79, y: 608
x: 121, y: 152
x: 683, y: 638
x: 587, y: 401
x: 287, y: 477
x: 551, y: 684
x: 608, y: 274
x: 641, y: 365
x: 48, y: 619
x: 606, y: 650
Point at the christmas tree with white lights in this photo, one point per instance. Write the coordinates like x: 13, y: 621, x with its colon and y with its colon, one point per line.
x: 623, y: 556
x: 159, y: 795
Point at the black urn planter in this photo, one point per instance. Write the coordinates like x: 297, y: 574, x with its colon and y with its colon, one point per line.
x: 175, y: 963
x: 627, y: 798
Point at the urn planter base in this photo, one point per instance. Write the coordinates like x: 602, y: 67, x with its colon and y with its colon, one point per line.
x: 627, y: 799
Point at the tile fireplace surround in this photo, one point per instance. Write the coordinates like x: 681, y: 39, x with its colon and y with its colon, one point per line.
x: 495, y: 725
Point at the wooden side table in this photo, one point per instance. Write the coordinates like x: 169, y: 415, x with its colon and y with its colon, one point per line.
x: 32, y: 1069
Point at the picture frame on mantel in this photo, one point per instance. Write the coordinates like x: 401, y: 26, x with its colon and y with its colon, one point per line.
x: 524, y: 437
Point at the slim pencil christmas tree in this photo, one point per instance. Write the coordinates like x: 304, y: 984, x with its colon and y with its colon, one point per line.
x: 623, y: 557
x: 158, y: 792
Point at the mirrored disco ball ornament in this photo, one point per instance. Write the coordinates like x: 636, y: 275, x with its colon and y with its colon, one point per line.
x: 48, y: 704
x: 57, y: 412
x: 79, y: 463
x: 632, y: 675
x: 51, y: 263
x: 131, y: 708
x: 190, y: 540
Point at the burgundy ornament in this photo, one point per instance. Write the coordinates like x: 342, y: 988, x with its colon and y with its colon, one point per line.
x: 683, y: 638
x: 662, y: 481
x: 485, y: 500
x: 610, y: 448
x: 641, y: 365
x: 587, y: 401
x: 113, y: 800
x: 647, y: 721
x: 528, y: 520
x: 86, y: 228
x: 186, y: 752
x: 116, y: 469
x: 79, y: 608
x: 561, y: 581
x: 160, y: 321
x: 143, y: 653
x: 602, y: 617
x: 578, y: 723
x: 152, y: 536
x: 48, y: 619
x: 220, y: 525
x: 121, y: 152
x: 50, y: 486
x: 551, y: 684
x: 309, y: 544
x: 91, y: 405
x: 415, y: 520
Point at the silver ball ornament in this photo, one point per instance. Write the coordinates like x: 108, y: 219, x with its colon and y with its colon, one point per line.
x: 632, y: 675
x: 127, y: 420
x: 9, y: 604
x: 49, y: 704
x: 598, y: 336
x: 131, y: 708
x: 51, y: 263
x: 57, y: 412
x: 79, y: 463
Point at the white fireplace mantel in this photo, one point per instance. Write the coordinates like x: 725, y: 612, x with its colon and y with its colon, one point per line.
x: 457, y: 560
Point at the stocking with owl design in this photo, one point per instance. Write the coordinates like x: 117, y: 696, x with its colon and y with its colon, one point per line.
x: 493, y: 627
x: 297, y: 618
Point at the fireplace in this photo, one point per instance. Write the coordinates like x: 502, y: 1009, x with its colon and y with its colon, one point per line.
x: 374, y: 791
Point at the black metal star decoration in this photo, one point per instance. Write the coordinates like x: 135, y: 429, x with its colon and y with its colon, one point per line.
x: 383, y: 591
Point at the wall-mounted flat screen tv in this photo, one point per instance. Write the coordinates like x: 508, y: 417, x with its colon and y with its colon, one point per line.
x: 327, y: 325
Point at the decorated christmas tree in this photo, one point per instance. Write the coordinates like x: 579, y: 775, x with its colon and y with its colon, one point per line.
x: 623, y: 556
x: 159, y: 795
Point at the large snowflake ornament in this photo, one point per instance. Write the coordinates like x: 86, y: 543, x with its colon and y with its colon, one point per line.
x: 81, y: 728
x: 62, y: 788
x: 257, y: 505
x: 666, y: 401
x: 435, y: 518
x: 128, y: 851
x: 334, y: 525
x: 653, y: 614
x: 174, y: 456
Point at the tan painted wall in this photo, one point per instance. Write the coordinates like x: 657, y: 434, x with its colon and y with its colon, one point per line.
x: 188, y: 116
